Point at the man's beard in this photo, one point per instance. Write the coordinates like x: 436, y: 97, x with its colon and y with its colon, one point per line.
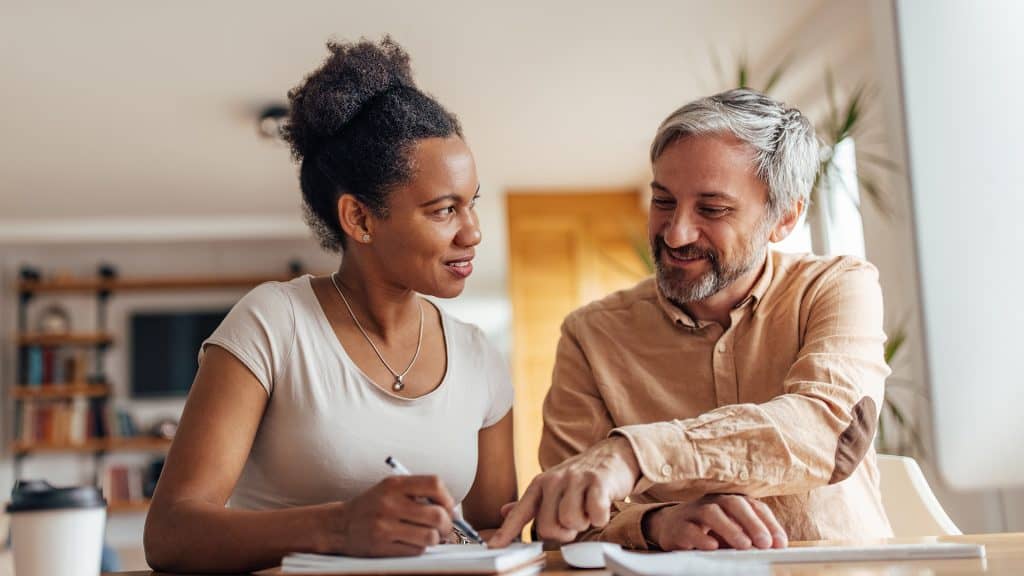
x: 679, y: 290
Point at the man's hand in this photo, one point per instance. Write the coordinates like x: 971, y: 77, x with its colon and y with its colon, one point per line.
x: 575, y: 495
x: 713, y: 521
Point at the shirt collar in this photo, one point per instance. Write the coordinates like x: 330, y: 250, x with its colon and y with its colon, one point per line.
x: 764, y: 281
x: 679, y: 316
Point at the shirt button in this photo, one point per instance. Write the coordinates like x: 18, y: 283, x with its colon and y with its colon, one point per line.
x: 666, y: 470
x: 744, y: 475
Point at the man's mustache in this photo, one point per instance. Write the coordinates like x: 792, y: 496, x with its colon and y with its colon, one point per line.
x: 687, y: 251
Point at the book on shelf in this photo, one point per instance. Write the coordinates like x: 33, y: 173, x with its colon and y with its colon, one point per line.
x: 45, y: 365
x: 49, y: 359
x: 115, y: 484
x: 34, y: 362
x: 78, y: 367
x: 129, y: 483
x: 96, y: 421
x: 57, y: 422
x: 118, y: 422
x: 125, y: 425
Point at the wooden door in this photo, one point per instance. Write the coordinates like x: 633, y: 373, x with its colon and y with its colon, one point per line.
x: 565, y: 249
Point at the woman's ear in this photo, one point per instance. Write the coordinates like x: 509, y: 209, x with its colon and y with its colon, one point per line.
x: 355, y: 219
x: 787, y: 222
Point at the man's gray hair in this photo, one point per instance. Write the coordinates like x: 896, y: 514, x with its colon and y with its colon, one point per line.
x: 786, y: 150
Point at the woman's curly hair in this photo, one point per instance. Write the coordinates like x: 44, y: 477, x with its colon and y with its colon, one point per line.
x: 352, y: 126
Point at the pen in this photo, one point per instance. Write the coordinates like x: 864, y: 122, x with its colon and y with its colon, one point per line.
x: 459, y: 523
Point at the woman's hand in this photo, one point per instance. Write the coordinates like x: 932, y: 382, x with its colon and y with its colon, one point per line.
x: 390, y: 519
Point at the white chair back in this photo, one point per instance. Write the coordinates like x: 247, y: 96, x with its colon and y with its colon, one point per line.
x: 909, y: 502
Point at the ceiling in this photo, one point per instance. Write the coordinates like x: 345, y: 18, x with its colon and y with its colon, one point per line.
x: 131, y: 113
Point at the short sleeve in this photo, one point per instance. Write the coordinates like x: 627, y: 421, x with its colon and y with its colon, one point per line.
x: 499, y: 383
x: 259, y: 331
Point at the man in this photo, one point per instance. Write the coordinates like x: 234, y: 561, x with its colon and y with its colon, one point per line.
x: 734, y: 397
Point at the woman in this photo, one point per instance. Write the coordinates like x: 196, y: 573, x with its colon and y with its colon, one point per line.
x: 309, y: 385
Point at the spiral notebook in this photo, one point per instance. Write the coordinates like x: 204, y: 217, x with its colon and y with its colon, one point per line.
x: 517, y: 559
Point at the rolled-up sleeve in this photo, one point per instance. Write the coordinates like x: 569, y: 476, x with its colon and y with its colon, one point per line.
x: 816, y: 433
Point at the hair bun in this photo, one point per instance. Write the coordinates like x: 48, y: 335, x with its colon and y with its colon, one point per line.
x: 333, y: 94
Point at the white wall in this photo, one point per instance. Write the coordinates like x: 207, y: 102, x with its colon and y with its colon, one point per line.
x: 891, y: 248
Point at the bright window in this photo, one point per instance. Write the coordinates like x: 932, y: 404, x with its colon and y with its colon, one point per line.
x: 832, y: 224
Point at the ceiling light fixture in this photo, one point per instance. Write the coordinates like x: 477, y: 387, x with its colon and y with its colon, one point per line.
x: 271, y: 121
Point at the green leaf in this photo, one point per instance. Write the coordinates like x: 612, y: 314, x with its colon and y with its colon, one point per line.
x: 903, y: 427
x: 852, y: 116
x: 904, y: 423
x: 874, y: 193
x: 894, y: 344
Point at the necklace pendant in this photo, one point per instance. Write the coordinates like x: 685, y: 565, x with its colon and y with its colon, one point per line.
x: 398, y: 385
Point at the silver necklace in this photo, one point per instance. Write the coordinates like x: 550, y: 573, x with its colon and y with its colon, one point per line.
x: 398, y: 384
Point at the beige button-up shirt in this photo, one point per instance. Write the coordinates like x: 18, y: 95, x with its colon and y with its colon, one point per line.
x: 782, y: 405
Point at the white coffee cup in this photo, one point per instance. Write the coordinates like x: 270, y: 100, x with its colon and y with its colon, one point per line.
x: 56, y: 530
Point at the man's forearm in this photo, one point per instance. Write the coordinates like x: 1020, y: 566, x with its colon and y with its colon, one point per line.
x: 742, y: 449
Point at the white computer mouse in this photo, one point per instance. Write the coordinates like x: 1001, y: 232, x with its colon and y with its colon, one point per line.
x: 586, y: 554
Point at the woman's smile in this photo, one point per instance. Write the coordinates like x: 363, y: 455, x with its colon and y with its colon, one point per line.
x: 461, y: 267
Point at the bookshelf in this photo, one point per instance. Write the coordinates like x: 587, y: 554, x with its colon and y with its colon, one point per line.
x: 136, y: 444
x: 23, y: 447
x: 95, y: 445
x: 63, y: 390
x: 88, y: 285
x: 84, y: 339
x: 61, y: 394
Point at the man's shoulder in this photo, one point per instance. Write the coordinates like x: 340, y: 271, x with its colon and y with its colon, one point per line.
x: 807, y: 271
x: 616, y: 304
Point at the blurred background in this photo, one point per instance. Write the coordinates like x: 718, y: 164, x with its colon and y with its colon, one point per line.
x: 140, y: 145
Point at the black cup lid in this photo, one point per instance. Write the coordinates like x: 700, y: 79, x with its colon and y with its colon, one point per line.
x: 30, y: 495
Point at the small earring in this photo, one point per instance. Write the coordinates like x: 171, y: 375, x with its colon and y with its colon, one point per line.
x: 366, y: 237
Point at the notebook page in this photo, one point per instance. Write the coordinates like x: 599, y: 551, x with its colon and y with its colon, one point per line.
x: 452, y: 558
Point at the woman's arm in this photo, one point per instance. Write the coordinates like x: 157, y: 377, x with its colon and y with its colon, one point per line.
x: 495, y: 483
x: 188, y: 529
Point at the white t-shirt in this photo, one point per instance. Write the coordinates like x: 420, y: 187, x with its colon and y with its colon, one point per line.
x: 327, y: 428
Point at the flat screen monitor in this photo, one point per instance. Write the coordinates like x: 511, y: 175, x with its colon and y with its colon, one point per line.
x: 165, y: 348
x: 962, y: 83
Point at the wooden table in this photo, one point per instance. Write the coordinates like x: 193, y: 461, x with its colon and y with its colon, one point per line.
x: 1005, y: 556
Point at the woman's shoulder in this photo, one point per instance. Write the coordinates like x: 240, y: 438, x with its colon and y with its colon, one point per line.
x: 276, y: 295
x: 260, y: 329
x: 469, y: 345
x: 270, y: 306
x: 277, y: 290
x: 467, y: 335
x: 482, y: 363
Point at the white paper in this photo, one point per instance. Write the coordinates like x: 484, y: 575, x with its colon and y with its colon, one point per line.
x: 452, y: 558
x: 722, y: 562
